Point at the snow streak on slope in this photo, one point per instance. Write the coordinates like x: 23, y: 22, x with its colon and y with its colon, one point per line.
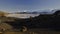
x: 22, y: 15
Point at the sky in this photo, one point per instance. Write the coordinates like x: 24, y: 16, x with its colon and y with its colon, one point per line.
x: 28, y: 5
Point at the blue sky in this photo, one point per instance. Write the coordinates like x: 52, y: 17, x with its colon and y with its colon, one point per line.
x: 23, y: 5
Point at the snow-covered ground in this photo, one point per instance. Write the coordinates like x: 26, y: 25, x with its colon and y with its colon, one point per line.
x: 22, y: 15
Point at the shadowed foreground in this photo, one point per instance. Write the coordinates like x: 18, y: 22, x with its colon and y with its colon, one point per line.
x: 34, y: 31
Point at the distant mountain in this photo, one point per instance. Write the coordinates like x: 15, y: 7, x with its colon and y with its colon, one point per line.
x: 38, y: 12
x: 32, y: 13
x: 26, y: 12
x: 43, y: 12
